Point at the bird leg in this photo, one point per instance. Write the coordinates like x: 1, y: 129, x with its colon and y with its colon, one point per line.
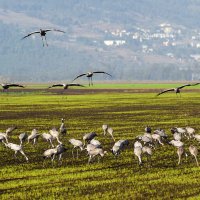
x: 179, y: 159
x: 46, y: 40
x: 58, y: 140
x: 196, y: 160
x: 90, y: 158
x: 60, y: 159
x: 112, y: 137
x: 51, y: 143
x: 6, y: 139
x: 77, y: 153
x: 89, y: 80
x: 73, y: 152
x: 52, y: 160
x: 15, y: 154
x: 98, y: 159
x: 34, y: 141
x: 42, y: 41
x: 139, y: 160
x: 24, y: 155
x: 159, y: 141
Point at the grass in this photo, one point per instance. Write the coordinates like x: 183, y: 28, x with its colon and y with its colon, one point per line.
x: 120, y: 178
x: 147, y: 85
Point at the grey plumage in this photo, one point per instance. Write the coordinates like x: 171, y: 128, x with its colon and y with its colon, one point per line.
x: 34, y: 136
x: 55, y: 134
x: 16, y: 148
x: 194, y: 152
x: 23, y: 137
x: 63, y: 129
x: 51, y: 153
x: 108, y: 130
x: 119, y: 146
x: 77, y: 144
x: 48, y: 137
x: 89, y: 136
x: 95, y: 152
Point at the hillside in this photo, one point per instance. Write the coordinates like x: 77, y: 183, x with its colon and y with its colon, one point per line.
x: 133, y: 40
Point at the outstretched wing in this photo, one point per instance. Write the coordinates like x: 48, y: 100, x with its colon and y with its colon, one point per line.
x: 100, y: 72
x: 164, y: 91
x: 15, y: 85
x: 75, y: 84
x: 56, y: 85
x: 54, y: 30
x: 195, y: 84
x: 184, y: 86
x: 79, y: 76
x: 30, y: 34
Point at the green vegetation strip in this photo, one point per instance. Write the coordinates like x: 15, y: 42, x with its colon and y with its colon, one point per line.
x: 112, y: 178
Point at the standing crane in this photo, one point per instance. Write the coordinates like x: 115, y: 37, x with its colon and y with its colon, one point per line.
x: 77, y: 144
x: 51, y: 153
x: 109, y: 130
x: 17, y: 148
x: 33, y: 136
x: 95, y: 152
x: 55, y: 134
x: 63, y: 129
x: 194, y: 151
x: 48, y: 137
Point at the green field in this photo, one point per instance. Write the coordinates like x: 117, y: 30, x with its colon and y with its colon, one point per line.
x: 120, y: 85
x: 112, y: 178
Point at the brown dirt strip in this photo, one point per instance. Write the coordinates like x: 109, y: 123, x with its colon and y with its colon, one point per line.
x: 91, y: 91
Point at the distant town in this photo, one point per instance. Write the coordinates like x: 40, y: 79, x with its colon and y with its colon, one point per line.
x: 165, y: 38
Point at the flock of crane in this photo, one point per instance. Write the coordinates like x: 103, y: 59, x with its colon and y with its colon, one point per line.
x: 177, y: 90
x: 144, y: 144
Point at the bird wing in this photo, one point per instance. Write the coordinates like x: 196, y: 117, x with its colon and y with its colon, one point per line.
x: 79, y: 76
x: 98, y: 72
x: 15, y: 85
x: 56, y: 85
x: 168, y: 90
x: 182, y: 86
x: 31, y: 34
x: 75, y: 84
x: 54, y: 30
x: 195, y: 84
